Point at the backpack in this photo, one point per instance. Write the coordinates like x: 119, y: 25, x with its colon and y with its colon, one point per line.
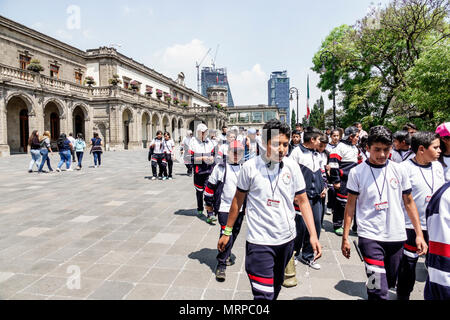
x: 60, y: 144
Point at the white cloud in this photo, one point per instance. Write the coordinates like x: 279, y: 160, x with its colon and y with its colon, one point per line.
x: 181, y: 58
x: 249, y: 87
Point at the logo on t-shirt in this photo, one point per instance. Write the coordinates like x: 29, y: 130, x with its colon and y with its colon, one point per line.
x: 286, y: 178
x: 394, y: 183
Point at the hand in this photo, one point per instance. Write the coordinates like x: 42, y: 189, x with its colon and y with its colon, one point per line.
x: 421, y: 245
x: 337, y: 186
x: 346, y: 248
x: 324, y: 193
x: 223, y: 243
x: 317, y: 248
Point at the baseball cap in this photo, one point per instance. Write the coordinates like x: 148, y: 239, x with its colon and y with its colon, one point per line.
x: 350, y: 131
x: 251, y: 131
x: 236, y: 145
x: 444, y: 129
x: 202, y: 127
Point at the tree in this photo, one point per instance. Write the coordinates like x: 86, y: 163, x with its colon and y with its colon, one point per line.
x: 293, y: 120
x: 373, y: 59
x: 317, y: 117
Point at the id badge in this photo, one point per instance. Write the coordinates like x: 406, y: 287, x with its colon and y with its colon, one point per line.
x: 382, y: 206
x: 273, y: 203
x: 428, y: 199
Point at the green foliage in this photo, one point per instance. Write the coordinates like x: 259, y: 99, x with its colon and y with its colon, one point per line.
x: 392, y: 66
x: 293, y: 119
x: 35, y: 66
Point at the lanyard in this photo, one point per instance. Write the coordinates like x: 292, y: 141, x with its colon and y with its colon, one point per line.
x: 232, y: 169
x: 432, y: 179
x: 278, y: 179
x: 376, y: 184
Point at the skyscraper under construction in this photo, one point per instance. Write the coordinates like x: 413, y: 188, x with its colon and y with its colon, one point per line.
x: 216, y: 77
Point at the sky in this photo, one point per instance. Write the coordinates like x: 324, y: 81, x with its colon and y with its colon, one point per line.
x: 251, y: 38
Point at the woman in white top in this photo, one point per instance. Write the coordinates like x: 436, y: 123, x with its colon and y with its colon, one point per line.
x: 168, y: 145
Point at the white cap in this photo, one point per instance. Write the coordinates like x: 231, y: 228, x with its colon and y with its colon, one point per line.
x: 202, y: 127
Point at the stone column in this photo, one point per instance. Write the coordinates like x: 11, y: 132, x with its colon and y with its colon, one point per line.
x: 4, y: 147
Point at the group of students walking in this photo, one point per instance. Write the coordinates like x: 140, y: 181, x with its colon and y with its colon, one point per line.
x: 67, y: 147
x: 397, y: 201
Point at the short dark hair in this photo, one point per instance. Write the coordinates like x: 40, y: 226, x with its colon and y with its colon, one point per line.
x: 311, y: 133
x: 422, y: 138
x: 298, y: 125
x: 324, y: 138
x: 159, y: 132
x: 380, y: 134
x: 409, y: 126
x: 296, y: 132
x: 357, y: 123
x: 274, y: 124
x: 167, y: 133
x: 403, y: 135
x: 224, y: 126
x: 335, y: 130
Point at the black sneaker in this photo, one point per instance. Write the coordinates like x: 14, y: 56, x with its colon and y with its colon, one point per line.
x: 220, y: 274
x: 229, y: 262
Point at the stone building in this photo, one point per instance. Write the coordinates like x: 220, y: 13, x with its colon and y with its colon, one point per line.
x: 254, y: 116
x: 60, y: 100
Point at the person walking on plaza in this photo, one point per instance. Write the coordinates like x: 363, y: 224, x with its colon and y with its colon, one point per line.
x: 35, y: 146
x: 426, y: 176
x: 72, y: 141
x: 309, y: 162
x: 96, y: 150
x: 80, y: 145
x: 186, y: 156
x: 64, y: 147
x: 223, y: 149
x: 158, y: 157
x: 295, y: 141
x: 169, y: 146
x: 46, y: 148
x: 377, y: 188
x: 437, y: 286
x: 219, y: 194
x: 271, y: 184
x: 342, y: 159
x: 402, y: 147
x: 202, y: 151
x: 251, y: 145
x: 444, y: 133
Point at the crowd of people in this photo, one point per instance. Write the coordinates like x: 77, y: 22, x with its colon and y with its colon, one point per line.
x: 391, y: 190
x: 67, y: 147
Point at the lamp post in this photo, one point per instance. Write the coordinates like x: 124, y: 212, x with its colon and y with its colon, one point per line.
x: 325, y: 58
x: 293, y: 91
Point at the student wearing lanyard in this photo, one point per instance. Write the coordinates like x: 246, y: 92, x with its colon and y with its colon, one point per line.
x: 426, y: 176
x: 219, y: 194
x: 271, y: 184
x: 377, y: 188
x: 169, y: 145
x: 158, y: 156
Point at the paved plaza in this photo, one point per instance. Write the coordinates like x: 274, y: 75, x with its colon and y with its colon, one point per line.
x: 132, y: 238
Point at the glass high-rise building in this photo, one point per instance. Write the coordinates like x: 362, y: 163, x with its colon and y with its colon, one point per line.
x: 214, y: 77
x: 278, y: 89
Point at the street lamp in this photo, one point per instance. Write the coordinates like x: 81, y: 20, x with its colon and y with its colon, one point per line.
x: 293, y: 91
x: 325, y: 58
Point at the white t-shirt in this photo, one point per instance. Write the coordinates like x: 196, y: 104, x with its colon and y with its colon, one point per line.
x: 159, y: 146
x: 387, y: 224
x: 72, y: 140
x: 400, y: 155
x: 270, y: 201
x: 447, y: 168
x: 425, y: 181
x: 169, y: 145
x: 229, y: 188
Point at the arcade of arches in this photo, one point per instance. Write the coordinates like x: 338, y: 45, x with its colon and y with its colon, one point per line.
x: 121, y: 127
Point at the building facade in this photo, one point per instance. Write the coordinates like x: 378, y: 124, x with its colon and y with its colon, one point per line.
x: 278, y: 91
x: 254, y: 116
x: 60, y: 99
x: 212, y: 77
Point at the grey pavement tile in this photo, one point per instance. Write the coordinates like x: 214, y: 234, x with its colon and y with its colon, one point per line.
x: 228, y: 284
x: 194, y: 279
x: 171, y: 262
x: 33, y: 232
x: 111, y: 290
x: 217, y: 294
x: 129, y: 273
x: 100, y: 271
x: 46, y: 285
x: 147, y: 292
x: 144, y: 259
x: 184, y: 293
x: 243, y: 295
x: 87, y: 287
x: 15, y: 284
x: 156, y: 248
x: 181, y: 250
x: 116, y: 257
x: 160, y: 276
x: 28, y: 296
x: 4, y: 276
x: 41, y: 267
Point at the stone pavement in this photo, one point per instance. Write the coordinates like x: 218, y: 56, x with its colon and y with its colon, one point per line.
x: 132, y: 238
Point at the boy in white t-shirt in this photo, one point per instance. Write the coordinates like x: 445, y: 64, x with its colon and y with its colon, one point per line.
x: 271, y: 184
x: 376, y: 190
x: 444, y: 132
x: 426, y: 176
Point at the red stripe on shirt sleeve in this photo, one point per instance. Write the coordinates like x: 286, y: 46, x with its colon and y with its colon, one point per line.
x: 335, y: 156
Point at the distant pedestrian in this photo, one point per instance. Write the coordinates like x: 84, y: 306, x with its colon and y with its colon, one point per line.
x: 444, y: 133
x: 169, y: 146
x: 96, y: 149
x: 65, y: 147
x: 45, y: 150
x: 158, y: 158
x: 186, y: 156
x: 72, y: 141
x: 35, y: 151
x: 80, y: 145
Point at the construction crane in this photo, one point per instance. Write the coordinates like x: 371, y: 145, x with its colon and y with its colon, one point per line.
x: 198, y: 70
x: 213, y: 62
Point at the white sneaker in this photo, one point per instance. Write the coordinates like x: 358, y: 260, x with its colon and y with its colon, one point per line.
x: 58, y: 170
x: 69, y: 169
x: 311, y: 264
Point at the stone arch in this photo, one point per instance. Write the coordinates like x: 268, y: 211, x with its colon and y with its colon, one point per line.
x: 54, y: 113
x: 146, y: 124
x: 18, y: 110
x: 127, y: 120
x: 166, y: 123
x: 80, y: 118
x: 25, y: 97
x: 156, y: 123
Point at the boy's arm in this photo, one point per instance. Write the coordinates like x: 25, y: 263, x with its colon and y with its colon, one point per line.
x: 348, y: 219
x: 236, y: 205
x: 413, y: 214
x: 303, y: 203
